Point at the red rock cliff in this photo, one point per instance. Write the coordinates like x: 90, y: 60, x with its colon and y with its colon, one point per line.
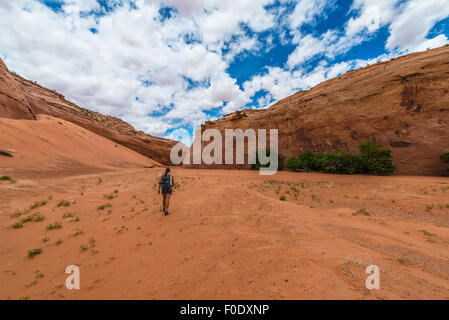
x: 401, y: 104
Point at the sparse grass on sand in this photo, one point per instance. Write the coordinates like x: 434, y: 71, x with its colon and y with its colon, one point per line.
x: 63, y: 203
x: 17, y: 225
x: 56, y: 225
x: 104, y: 206
x: 78, y: 233
x: 36, y: 217
x: 361, y: 212
x: 19, y: 213
x: 427, y: 233
x: 38, y: 204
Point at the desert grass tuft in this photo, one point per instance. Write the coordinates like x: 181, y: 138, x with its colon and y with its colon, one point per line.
x: 34, y: 252
x: 104, y: 206
x: 362, y: 212
x: 56, y: 225
x: 63, y: 203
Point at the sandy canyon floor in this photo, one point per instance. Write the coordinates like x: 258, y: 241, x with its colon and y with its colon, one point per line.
x: 228, y: 236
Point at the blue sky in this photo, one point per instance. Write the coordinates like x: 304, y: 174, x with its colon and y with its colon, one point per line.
x: 166, y: 66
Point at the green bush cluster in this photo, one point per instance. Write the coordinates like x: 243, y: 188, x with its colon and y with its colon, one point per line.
x: 445, y: 158
x: 257, y: 165
x: 370, y: 160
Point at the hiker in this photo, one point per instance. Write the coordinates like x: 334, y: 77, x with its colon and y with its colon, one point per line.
x: 166, y: 184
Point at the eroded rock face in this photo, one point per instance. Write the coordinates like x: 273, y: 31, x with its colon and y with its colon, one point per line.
x: 401, y: 104
x: 23, y: 99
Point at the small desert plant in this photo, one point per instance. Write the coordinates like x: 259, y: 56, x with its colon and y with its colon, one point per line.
x: 45, y: 239
x: 27, y: 219
x: 34, y: 217
x: 38, y: 217
x: 38, y: 274
x: 38, y: 204
x: 282, y: 198
x: 83, y: 248
x: 5, y: 178
x: 361, y: 212
x: 67, y: 215
x: 78, y: 233
x: 17, y: 213
x: 56, y: 225
x: 63, y: 203
x: 34, y: 252
x: 17, y: 225
x: 104, y: 206
x: 427, y: 233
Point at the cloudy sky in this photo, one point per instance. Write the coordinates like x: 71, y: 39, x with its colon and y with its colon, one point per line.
x: 163, y: 65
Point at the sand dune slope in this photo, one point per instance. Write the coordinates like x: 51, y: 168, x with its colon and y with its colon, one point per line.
x: 51, y: 146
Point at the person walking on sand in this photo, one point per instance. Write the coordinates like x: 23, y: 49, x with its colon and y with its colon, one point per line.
x: 166, y: 185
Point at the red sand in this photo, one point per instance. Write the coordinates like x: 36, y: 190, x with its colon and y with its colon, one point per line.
x: 228, y: 236
x: 55, y: 147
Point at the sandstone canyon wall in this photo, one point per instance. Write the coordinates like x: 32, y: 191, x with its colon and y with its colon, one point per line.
x: 401, y: 104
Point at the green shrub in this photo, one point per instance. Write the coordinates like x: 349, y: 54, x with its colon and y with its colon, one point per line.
x: 341, y: 163
x: 445, y: 158
x: 310, y: 161
x: 257, y: 165
x: 293, y: 164
x: 376, y: 160
x: 370, y: 160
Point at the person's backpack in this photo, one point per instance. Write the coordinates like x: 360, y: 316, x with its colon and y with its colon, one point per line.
x: 166, y: 182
